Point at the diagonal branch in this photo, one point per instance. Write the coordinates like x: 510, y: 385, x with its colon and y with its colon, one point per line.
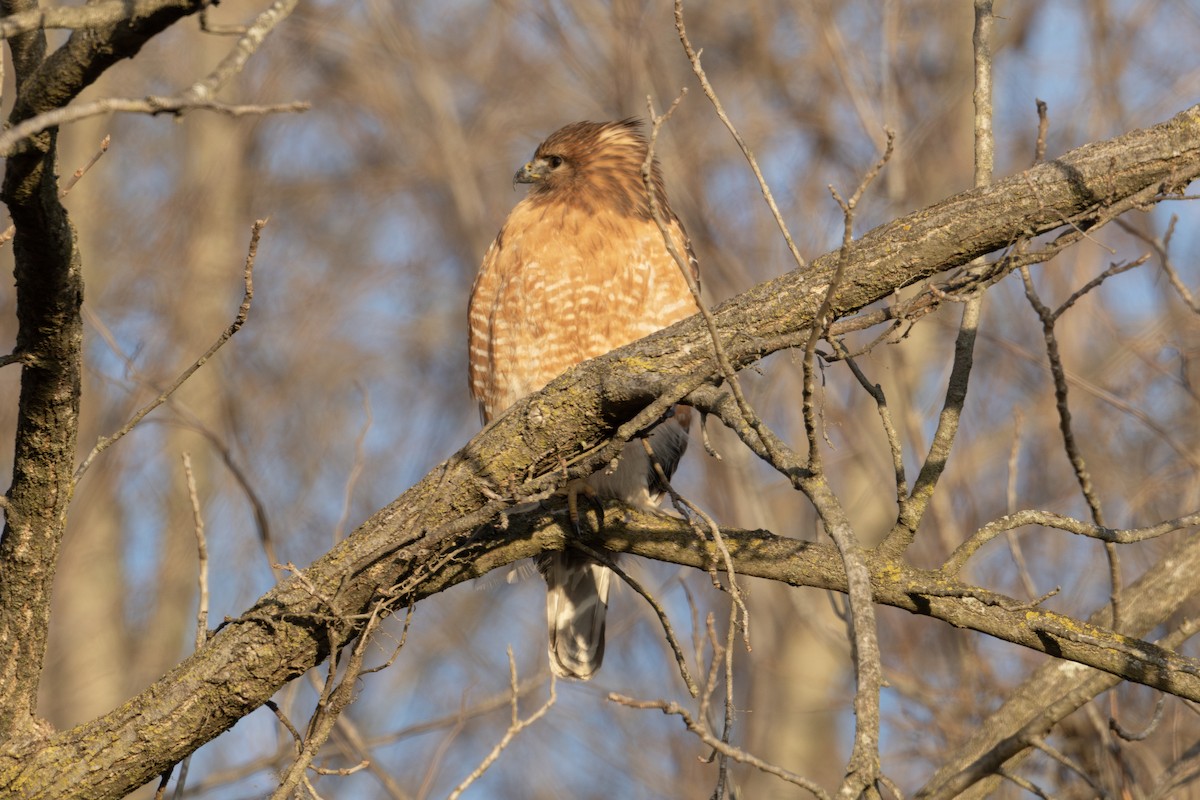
x: 426, y: 539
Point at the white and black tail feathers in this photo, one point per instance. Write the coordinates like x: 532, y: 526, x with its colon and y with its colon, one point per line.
x: 577, y: 585
x: 576, y: 606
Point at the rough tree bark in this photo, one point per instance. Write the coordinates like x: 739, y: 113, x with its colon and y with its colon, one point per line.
x: 437, y: 534
x: 49, y: 293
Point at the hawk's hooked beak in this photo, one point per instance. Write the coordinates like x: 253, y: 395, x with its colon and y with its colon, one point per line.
x: 532, y: 172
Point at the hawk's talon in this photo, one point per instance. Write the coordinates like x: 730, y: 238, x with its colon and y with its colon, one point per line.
x: 574, y: 489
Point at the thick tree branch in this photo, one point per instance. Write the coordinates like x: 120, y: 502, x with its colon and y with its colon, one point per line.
x: 50, y: 337
x: 89, y: 52
x: 427, y: 539
x: 95, y: 15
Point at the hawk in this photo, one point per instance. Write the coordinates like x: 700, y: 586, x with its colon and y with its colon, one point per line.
x: 578, y: 269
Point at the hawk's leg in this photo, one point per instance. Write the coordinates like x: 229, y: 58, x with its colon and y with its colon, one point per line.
x: 582, y: 487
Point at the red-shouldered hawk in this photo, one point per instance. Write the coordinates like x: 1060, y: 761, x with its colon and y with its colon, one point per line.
x: 578, y: 269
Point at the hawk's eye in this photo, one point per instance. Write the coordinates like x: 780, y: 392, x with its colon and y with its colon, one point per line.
x: 555, y: 162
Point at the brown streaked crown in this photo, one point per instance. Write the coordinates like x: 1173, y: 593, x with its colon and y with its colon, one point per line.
x: 598, y: 165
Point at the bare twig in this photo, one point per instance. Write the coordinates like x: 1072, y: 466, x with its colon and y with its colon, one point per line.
x: 693, y: 57
x: 153, y: 105
x: 243, y: 310
x: 1049, y: 519
x: 297, y: 739
x: 1162, y: 249
x: 515, y: 727
x: 706, y: 736
x: 909, y: 519
x: 198, y: 96
x: 355, y: 470
x: 1184, y: 771
x: 67, y: 186
x: 335, y: 697
x: 201, y: 553
x: 1014, y: 546
x: 728, y: 715
x: 862, y: 770
x: 708, y: 448
x: 825, y: 311
x: 1113, y: 269
x: 722, y: 358
x: 344, y: 771
x: 202, y: 581
x: 16, y: 358
x: 79, y: 173
x: 1137, y: 736
x: 246, y: 45
x: 1040, y: 743
x: 1039, y: 147
x: 690, y: 511
x: 660, y: 612
x: 258, y: 508
x: 885, y: 417
x: 1074, y: 453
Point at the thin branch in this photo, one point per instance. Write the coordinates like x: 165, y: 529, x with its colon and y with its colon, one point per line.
x: 357, y: 468
x: 889, y: 431
x: 911, y: 515
x: 1137, y: 736
x: 659, y: 611
x: 1041, y: 744
x: 79, y: 173
x: 17, y: 358
x: 693, y: 57
x: 825, y: 312
x: 235, y: 61
x: 335, y: 697
x: 297, y: 739
x: 1070, y: 443
x: 1185, y: 770
x: 726, y: 367
x: 862, y: 770
x: 1113, y: 269
x: 262, y: 522
x: 199, y: 96
x: 1162, y: 248
x: 11, y: 231
x: 1039, y: 146
x: 722, y: 358
x: 515, y: 727
x: 1053, y: 692
x: 1049, y: 519
x: 729, y: 710
x: 202, y: 581
x: 690, y: 511
x: 243, y: 311
x: 152, y: 105
x: 201, y: 553
x: 706, y: 736
x: 909, y: 519
x: 863, y: 766
x: 1014, y: 546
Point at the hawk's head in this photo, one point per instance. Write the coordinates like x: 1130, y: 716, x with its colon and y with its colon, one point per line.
x: 594, y: 164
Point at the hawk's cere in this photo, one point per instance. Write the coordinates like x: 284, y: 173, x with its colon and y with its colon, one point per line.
x: 580, y: 268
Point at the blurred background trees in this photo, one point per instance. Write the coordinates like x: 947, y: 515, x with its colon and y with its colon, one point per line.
x: 348, y: 383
